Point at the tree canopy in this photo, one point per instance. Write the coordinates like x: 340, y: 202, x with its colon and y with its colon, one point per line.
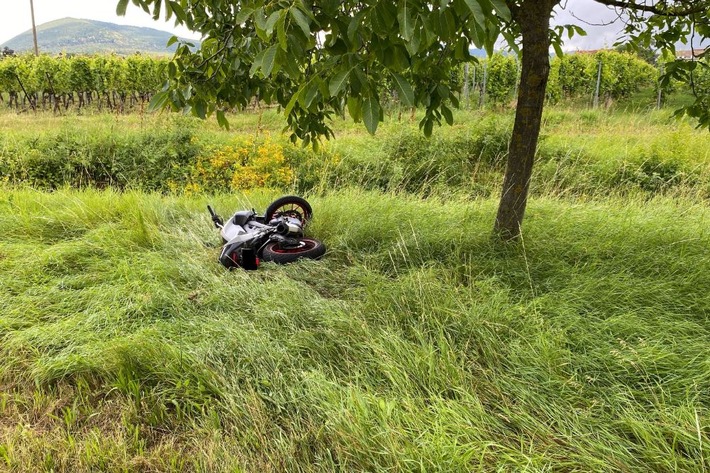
x: 317, y: 58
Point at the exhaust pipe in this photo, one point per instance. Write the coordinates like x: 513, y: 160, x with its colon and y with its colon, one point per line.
x: 288, y: 227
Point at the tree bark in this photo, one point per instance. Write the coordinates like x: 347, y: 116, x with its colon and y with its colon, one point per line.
x: 533, y: 16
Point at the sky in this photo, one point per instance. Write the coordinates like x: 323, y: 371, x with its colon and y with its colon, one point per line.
x: 15, y: 18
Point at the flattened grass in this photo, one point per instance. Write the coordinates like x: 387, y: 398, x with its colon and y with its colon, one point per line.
x: 416, y: 344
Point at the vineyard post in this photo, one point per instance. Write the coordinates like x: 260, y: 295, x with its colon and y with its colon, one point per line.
x: 34, y: 28
x: 473, y: 80
x: 482, y: 99
x: 465, y: 84
x: 659, y: 97
x: 32, y: 104
x: 51, y: 89
x: 599, y: 80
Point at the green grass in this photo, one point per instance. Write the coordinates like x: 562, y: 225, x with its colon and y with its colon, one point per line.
x: 416, y: 344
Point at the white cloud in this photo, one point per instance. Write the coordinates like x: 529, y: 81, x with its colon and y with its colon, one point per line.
x: 602, y: 24
x: 596, y: 19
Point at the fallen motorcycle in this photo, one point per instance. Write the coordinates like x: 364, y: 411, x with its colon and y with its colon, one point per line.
x: 277, y: 236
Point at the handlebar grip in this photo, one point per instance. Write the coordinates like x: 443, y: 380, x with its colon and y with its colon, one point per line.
x: 216, y: 219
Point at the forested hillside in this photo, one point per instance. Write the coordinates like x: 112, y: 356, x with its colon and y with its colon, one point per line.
x: 71, y: 35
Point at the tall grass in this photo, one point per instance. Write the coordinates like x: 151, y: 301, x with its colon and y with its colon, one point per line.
x: 586, y: 153
x: 416, y: 344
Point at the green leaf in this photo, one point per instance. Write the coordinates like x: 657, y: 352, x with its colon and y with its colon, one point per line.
x: 311, y: 92
x: 255, y: 65
x: 502, y: 9
x: 427, y: 125
x: 558, y: 48
x: 415, y: 42
x: 260, y: 18
x: 269, y: 59
x: 461, y: 51
x: 371, y: 113
x: 477, y: 34
x: 406, y: 22
x: 386, y: 13
x: 260, y: 24
x: 281, y: 32
x: 355, y: 23
x: 159, y: 101
x: 447, y: 23
x: 157, y: 5
x: 210, y: 45
x: 271, y: 22
x: 121, y: 7
x: 243, y: 15
x: 355, y: 108
x: 579, y: 30
x: 292, y: 102
x: 222, y: 120
x: 397, y: 58
x: 448, y: 115
x: 338, y: 82
x: 406, y: 94
x: 301, y: 20
x: 173, y: 39
x: 178, y: 10
x: 200, y: 109
x: 477, y: 11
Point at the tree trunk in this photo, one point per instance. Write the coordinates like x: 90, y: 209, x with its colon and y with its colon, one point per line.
x: 533, y: 16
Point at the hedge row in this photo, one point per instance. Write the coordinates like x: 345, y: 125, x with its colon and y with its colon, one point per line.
x: 180, y: 158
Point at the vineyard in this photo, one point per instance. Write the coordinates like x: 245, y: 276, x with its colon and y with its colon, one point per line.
x: 121, y: 83
x: 109, y: 81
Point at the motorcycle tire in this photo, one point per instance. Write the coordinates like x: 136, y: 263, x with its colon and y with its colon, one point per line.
x: 290, y: 206
x: 308, y: 248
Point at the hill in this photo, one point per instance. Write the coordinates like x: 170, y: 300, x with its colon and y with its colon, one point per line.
x: 71, y: 35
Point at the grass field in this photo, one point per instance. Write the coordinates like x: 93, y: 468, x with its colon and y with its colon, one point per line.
x: 416, y: 344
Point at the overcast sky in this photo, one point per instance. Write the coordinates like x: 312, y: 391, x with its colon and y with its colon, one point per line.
x: 15, y: 18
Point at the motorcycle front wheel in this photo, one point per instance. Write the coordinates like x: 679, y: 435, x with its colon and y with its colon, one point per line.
x: 306, y: 248
x: 289, y: 206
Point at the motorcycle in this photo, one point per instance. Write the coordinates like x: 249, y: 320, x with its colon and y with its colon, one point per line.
x: 249, y: 238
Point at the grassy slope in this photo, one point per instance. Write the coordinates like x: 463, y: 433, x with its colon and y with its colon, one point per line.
x: 124, y: 346
x: 415, y: 344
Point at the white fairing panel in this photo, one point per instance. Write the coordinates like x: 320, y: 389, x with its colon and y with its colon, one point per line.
x: 231, y: 231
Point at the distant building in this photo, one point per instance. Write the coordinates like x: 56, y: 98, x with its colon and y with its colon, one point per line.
x: 689, y: 54
x: 588, y: 51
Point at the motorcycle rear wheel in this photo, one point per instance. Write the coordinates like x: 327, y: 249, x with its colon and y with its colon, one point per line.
x: 307, y: 248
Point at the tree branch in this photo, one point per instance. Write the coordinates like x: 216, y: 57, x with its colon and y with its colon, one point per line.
x: 665, y: 10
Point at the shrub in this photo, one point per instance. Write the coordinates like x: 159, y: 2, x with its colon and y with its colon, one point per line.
x: 244, y: 164
x: 147, y: 160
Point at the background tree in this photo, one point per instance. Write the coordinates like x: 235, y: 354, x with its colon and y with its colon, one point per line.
x: 316, y: 58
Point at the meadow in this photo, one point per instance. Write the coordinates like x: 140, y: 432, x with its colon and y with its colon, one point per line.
x: 418, y: 343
